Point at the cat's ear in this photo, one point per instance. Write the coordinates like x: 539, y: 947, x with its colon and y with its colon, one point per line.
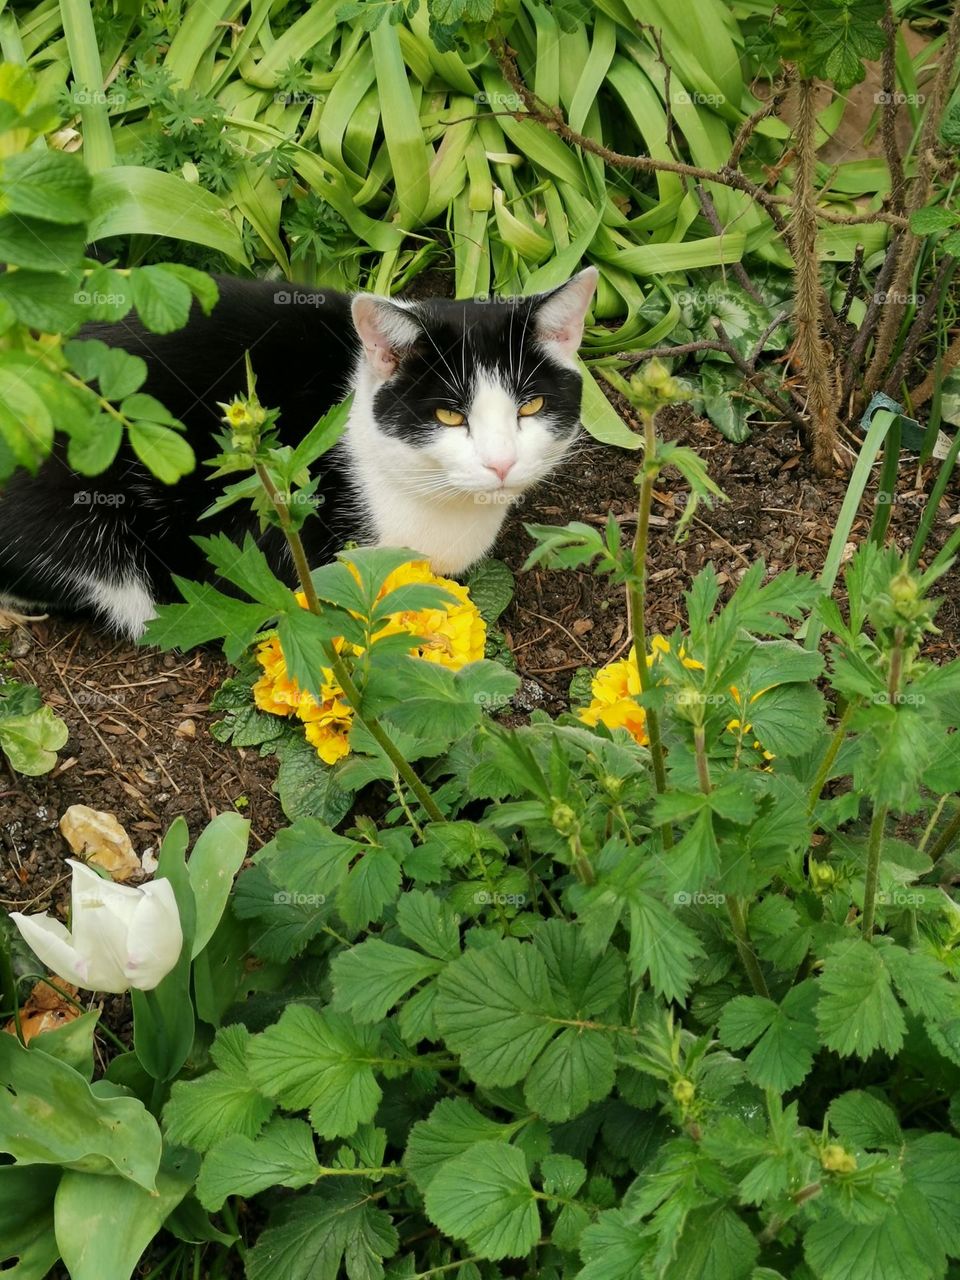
x: 560, y: 316
x: 385, y: 330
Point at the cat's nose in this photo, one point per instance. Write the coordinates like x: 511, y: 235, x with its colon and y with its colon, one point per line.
x: 500, y: 467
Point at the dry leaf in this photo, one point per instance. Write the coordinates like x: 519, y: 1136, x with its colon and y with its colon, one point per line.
x: 44, y: 1009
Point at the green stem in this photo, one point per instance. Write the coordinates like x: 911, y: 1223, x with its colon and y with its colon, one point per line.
x: 748, y: 957
x: 833, y: 749
x: 230, y: 1217
x: 873, y: 870
x: 8, y: 983
x: 637, y: 591
x: 337, y: 665
x: 703, y: 765
x: 946, y: 838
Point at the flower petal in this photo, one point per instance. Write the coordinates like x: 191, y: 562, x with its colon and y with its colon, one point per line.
x: 155, y: 938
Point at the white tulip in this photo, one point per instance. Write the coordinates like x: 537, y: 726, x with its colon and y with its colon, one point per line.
x: 119, y: 937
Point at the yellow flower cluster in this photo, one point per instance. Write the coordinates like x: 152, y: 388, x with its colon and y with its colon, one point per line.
x: 615, y: 687
x: 451, y: 635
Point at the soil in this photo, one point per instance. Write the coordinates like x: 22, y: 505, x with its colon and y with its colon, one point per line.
x: 139, y: 720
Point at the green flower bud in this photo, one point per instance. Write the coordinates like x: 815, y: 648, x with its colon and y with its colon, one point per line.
x: 564, y: 820
x: 684, y: 1091
x: 836, y: 1159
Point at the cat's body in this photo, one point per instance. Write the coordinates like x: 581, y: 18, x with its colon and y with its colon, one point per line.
x: 109, y: 544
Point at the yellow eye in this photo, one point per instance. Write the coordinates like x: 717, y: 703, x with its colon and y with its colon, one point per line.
x: 449, y: 417
x: 531, y: 407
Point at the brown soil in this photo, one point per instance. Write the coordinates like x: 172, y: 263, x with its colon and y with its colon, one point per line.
x: 129, y: 751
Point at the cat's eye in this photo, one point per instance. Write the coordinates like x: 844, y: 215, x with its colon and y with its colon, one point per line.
x: 449, y: 417
x: 531, y: 407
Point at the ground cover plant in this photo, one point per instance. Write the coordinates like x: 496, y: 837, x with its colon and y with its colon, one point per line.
x: 663, y: 985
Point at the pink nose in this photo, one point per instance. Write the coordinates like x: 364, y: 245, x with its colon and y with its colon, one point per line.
x: 500, y: 467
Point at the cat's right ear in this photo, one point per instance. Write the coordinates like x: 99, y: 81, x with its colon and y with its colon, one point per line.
x: 385, y: 331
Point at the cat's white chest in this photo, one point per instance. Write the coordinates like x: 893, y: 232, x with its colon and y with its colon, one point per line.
x: 452, y: 535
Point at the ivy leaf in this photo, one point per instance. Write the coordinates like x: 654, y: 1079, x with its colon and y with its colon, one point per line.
x: 484, y: 1196
x: 857, y: 1011
x: 283, y: 1156
x: 222, y: 1102
x: 785, y: 1035
x: 320, y: 1061
x: 370, y: 978
x: 331, y: 1232
x: 452, y: 1127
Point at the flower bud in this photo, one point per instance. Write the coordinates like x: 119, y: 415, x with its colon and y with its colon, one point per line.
x: 564, y: 820
x: 836, y: 1159
x: 684, y: 1091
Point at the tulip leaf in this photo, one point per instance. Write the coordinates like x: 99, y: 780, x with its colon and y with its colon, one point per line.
x: 216, y: 858
x: 26, y: 1220
x: 72, y: 1043
x: 50, y: 1115
x: 103, y: 1224
x: 163, y: 1021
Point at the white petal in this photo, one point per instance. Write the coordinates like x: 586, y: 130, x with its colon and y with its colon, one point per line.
x: 99, y: 929
x: 50, y: 940
x: 156, y: 936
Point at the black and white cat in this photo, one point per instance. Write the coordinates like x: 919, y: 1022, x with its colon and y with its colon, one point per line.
x: 459, y: 407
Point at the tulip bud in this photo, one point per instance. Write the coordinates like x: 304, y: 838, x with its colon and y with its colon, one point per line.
x: 119, y: 936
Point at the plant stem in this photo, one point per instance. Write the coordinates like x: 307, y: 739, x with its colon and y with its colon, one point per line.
x: 637, y: 592
x: 703, y: 765
x: 833, y: 750
x: 748, y: 957
x: 873, y: 870
x: 946, y: 838
x: 8, y: 983
x: 337, y: 665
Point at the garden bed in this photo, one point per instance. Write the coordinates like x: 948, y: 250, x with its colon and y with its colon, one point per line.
x: 139, y: 720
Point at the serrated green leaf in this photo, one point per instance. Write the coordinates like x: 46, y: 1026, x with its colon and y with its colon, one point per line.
x: 223, y: 1102
x: 857, y: 1011
x: 484, y: 1196
x: 282, y: 1156
x: 369, y: 979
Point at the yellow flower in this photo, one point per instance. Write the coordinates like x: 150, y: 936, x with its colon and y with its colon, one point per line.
x: 615, y: 687
x: 452, y: 635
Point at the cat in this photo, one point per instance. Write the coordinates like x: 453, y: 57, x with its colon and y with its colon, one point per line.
x: 459, y: 407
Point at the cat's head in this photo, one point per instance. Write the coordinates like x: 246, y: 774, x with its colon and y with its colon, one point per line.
x: 472, y: 397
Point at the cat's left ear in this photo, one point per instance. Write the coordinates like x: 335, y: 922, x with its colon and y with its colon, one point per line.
x: 385, y: 330
x: 561, y: 314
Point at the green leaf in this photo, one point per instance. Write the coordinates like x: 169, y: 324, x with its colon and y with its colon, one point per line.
x: 286, y: 923
x: 452, y: 1127
x: 320, y: 1061
x: 104, y: 1224
x: 370, y: 978
x: 786, y: 1036
x: 50, y: 185
x: 307, y: 787
x: 661, y: 946
x: 923, y: 984
x: 372, y: 882
x: 715, y: 1244
x: 615, y: 1248
x: 162, y: 451
x: 429, y: 923
x: 491, y: 585
x: 49, y: 1115
x: 26, y: 1220
x: 223, y: 1102
x: 31, y: 742
x: 788, y: 719
x: 931, y: 1164
x: 161, y: 298
x: 927, y: 222
x: 857, y: 1011
x: 575, y: 1069
x: 862, y: 1120
x: 484, y: 1196
x: 43, y: 246
x: 43, y: 300
x: 282, y: 1156
x: 216, y: 858
x: 332, y: 1232
x: 902, y: 1246
x: 494, y: 1010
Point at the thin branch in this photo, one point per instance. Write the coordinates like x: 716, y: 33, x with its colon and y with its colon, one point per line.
x: 711, y: 215
x: 768, y: 108
x: 920, y: 328
x: 888, y: 118
x: 925, y: 389
x: 852, y: 283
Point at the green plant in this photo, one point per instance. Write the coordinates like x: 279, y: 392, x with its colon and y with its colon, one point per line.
x: 30, y: 733
x: 573, y: 1006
